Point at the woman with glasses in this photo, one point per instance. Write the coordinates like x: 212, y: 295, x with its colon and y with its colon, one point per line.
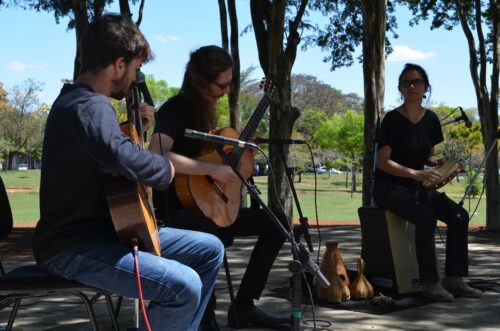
x: 407, y: 138
x: 208, y: 78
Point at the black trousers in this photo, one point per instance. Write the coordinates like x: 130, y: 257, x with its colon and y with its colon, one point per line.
x: 423, y: 208
x: 250, y: 222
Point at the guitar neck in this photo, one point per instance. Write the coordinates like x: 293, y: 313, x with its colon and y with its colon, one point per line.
x: 250, y: 128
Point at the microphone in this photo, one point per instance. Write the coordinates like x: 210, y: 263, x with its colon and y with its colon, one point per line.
x: 279, y: 141
x: 140, y: 82
x: 218, y: 139
x: 464, y: 118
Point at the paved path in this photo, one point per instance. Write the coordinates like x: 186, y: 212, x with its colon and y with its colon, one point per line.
x: 63, y: 314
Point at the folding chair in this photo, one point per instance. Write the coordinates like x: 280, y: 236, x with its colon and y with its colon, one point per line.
x: 31, y: 282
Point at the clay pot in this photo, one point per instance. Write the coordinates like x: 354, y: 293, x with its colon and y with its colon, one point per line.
x: 361, y: 288
x: 332, y: 266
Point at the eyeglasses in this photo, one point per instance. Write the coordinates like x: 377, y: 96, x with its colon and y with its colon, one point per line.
x: 414, y: 82
x: 222, y: 86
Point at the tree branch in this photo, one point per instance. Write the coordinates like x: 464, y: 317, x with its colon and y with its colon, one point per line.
x: 223, y: 24
x: 258, y: 8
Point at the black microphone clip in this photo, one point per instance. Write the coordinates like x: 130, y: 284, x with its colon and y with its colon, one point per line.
x: 464, y: 118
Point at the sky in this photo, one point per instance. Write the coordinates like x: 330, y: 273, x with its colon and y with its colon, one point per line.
x: 35, y: 47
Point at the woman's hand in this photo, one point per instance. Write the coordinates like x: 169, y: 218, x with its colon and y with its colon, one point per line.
x: 223, y: 173
x: 427, y: 175
x: 147, y: 115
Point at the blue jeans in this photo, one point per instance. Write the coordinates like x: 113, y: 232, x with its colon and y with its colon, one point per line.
x: 178, y: 284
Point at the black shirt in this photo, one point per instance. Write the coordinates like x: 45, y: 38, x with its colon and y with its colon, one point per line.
x: 411, y: 143
x: 172, y: 119
x: 82, y: 143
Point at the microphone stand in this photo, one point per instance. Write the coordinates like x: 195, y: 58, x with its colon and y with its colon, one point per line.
x: 301, y: 260
x: 304, y: 225
x: 486, y: 156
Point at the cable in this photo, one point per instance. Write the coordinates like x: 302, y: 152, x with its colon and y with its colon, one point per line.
x: 135, y: 252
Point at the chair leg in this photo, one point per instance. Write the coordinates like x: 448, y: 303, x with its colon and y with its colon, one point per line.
x: 90, y: 310
x: 118, y: 306
x: 111, y: 311
x: 13, y: 313
x: 230, y: 288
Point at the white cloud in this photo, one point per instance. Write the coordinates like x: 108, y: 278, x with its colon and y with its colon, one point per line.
x: 163, y: 39
x: 16, y: 65
x: 403, y: 53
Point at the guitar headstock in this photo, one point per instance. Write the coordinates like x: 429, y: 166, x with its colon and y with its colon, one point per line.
x: 268, y: 86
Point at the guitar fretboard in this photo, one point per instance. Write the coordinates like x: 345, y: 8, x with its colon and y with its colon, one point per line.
x: 233, y: 158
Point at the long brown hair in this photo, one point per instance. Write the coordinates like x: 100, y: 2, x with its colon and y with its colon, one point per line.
x: 204, y: 67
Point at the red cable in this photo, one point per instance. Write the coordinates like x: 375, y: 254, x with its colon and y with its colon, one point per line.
x: 137, y: 274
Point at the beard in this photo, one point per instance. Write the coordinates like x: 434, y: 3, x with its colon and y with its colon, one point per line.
x: 120, y: 87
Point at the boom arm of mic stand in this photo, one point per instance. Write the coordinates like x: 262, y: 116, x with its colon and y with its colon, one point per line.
x: 299, y: 249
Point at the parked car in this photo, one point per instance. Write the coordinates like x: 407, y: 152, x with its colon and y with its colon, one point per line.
x: 318, y: 169
x: 22, y: 166
x: 335, y: 171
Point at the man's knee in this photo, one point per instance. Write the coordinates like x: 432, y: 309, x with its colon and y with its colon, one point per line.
x: 188, y: 290
x: 214, y: 249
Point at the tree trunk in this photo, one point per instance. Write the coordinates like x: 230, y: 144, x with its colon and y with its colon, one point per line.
x: 487, y: 105
x: 80, y: 10
x: 234, y: 95
x: 374, y: 14
x: 268, y: 20
x: 81, y: 23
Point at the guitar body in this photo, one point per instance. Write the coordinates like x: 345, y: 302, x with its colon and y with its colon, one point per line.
x: 218, y: 201
x: 131, y: 209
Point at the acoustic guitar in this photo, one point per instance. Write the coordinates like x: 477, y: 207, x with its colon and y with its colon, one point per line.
x: 129, y: 202
x: 221, y: 202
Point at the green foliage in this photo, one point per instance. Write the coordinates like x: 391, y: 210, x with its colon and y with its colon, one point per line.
x: 309, y: 122
x: 344, y: 135
x: 159, y: 90
x: 22, y: 120
x: 222, y: 107
x: 460, y: 143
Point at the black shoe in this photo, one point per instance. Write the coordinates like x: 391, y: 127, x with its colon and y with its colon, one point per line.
x: 209, y: 323
x: 256, y: 317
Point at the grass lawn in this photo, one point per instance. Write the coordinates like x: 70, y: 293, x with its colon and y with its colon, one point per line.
x: 334, y: 201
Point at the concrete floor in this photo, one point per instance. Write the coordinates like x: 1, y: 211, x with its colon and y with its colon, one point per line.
x: 66, y: 314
